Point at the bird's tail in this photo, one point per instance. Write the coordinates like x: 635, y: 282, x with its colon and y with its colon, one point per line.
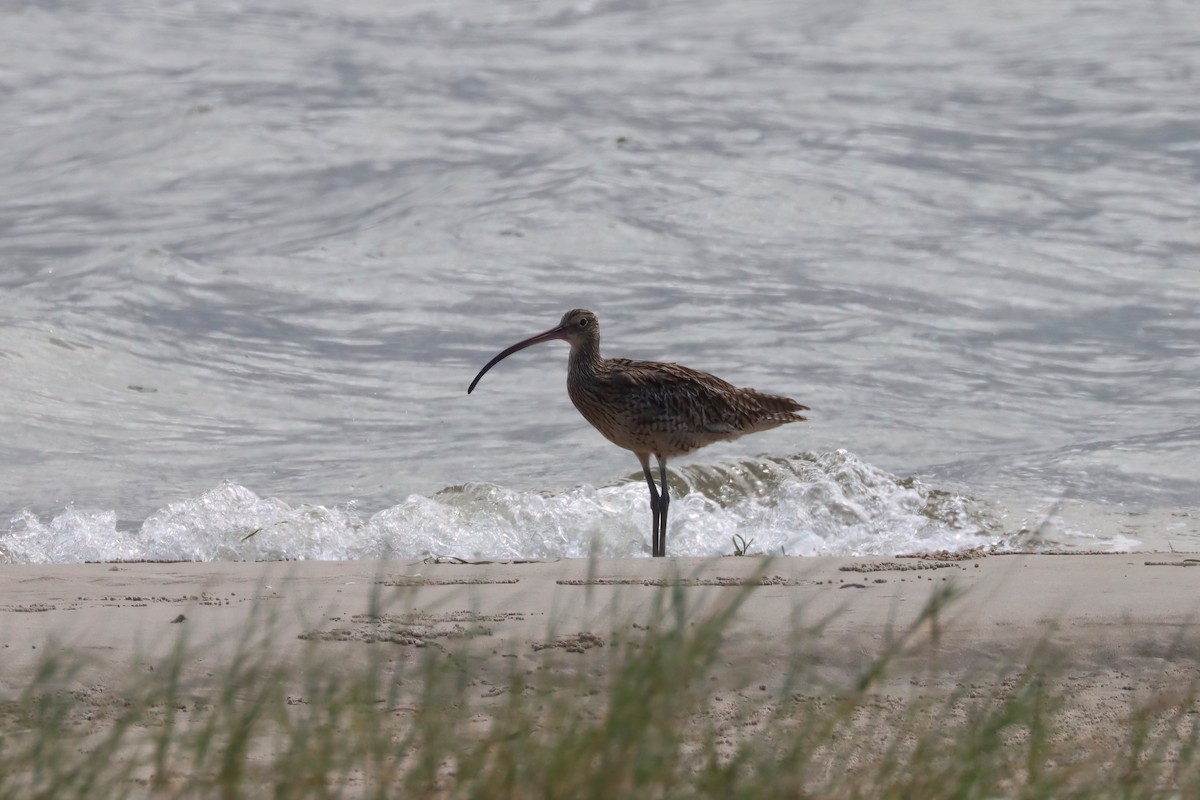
x: 774, y: 409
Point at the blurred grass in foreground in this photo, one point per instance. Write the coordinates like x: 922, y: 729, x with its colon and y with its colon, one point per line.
x: 637, y: 721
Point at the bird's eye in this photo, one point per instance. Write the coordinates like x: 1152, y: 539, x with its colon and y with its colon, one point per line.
x: 583, y: 323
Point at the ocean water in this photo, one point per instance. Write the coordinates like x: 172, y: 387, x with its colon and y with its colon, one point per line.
x: 251, y: 255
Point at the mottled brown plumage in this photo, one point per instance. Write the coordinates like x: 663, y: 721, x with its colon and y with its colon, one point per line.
x: 651, y: 408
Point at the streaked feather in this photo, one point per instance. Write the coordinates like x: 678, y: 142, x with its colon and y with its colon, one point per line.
x: 669, y: 409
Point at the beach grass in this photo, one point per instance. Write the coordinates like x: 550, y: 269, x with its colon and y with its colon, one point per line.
x: 648, y: 715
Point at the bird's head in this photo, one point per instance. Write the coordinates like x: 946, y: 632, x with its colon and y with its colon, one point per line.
x: 579, y: 326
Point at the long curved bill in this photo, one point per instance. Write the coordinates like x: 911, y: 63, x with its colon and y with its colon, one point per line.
x: 549, y: 336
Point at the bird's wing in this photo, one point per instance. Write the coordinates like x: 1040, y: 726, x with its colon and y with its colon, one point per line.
x: 696, y: 402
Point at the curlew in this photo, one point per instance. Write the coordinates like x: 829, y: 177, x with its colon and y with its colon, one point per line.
x: 651, y: 408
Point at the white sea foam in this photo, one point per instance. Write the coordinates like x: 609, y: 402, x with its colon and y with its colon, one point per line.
x: 805, y: 505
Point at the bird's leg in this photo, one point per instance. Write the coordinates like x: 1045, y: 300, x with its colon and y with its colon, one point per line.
x: 654, y: 543
x: 664, y: 501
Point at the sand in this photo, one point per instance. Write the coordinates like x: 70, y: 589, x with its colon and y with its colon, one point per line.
x: 1124, y: 625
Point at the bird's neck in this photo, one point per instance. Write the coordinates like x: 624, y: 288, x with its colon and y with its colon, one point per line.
x: 585, y: 358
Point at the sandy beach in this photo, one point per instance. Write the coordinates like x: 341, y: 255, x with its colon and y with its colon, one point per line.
x: 1119, y: 630
x: 1125, y: 623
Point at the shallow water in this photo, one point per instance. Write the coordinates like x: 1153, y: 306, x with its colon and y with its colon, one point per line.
x: 252, y: 255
